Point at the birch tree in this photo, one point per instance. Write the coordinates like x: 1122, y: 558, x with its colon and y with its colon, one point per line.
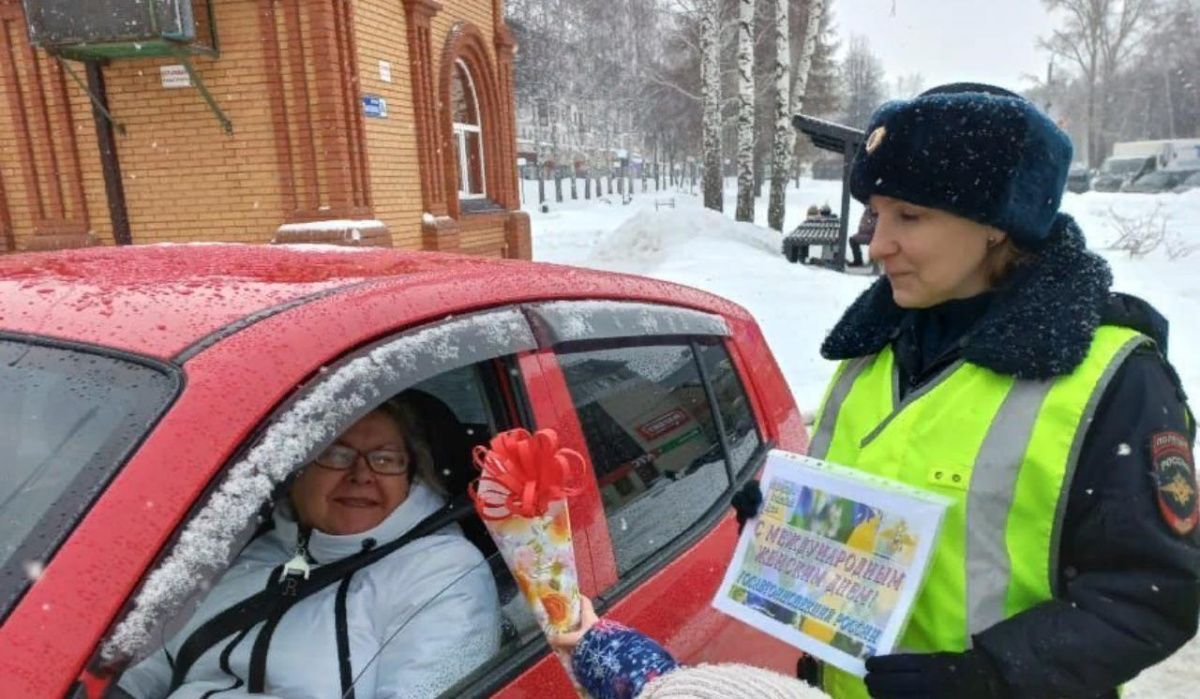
x: 783, y: 144
x: 1096, y: 35
x: 785, y: 135
x: 745, y: 156
x: 710, y: 77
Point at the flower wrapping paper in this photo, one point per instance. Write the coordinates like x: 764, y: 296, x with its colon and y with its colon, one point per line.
x: 521, y: 495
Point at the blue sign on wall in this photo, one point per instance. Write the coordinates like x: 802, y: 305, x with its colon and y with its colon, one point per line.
x: 374, y: 106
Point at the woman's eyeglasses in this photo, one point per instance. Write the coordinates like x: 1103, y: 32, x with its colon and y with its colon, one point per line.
x: 385, y: 462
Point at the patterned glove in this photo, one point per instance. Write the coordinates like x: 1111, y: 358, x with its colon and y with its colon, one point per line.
x: 612, y: 661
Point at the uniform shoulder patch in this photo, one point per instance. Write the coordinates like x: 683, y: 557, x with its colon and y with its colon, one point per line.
x: 1175, y: 480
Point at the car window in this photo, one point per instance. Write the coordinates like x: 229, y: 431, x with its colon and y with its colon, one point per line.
x: 737, y: 419
x: 461, y: 392
x: 452, y: 400
x: 652, y: 438
x: 68, y: 420
x: 1121, y: 167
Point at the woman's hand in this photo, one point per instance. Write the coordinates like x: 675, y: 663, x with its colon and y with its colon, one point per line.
x: 566, y: 642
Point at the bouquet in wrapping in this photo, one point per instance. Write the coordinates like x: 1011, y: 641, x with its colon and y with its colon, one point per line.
x: 521, y: 496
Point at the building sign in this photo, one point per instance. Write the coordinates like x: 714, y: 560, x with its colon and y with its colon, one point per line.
x: 667, y: 422
x: 833, y: 562
x: 175, y: 76
x: 375, y: 106
x: 385, y: 71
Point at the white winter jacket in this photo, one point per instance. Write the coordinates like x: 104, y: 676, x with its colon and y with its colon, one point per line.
x: 417, y: 620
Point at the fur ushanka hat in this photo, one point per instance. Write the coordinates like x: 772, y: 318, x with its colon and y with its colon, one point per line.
x: 977, y: 151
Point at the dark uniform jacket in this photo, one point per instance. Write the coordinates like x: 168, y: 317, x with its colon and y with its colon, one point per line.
x: 1129, y: 561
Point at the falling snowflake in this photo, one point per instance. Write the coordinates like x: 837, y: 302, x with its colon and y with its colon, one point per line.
x: 33, y: 570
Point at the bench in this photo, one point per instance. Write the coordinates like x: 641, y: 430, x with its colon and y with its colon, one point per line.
x: 664, y: 203
x: 825, y: 232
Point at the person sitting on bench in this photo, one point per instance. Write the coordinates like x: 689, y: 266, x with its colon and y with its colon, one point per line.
x: 407, y: 624
x: 813, y: 214
x: 866, y: 229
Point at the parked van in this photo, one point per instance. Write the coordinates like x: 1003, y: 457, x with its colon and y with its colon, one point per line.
x: 1182, y: 154
x: 1133, y: 159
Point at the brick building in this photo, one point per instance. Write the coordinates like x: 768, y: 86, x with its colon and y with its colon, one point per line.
x: 379, y: 122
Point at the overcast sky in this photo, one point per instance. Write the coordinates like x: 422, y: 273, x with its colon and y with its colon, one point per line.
x: 993, y: 41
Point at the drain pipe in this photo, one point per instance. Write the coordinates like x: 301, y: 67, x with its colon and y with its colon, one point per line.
x: 109, y: 162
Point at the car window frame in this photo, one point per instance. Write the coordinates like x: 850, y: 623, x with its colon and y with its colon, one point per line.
x: 736, y: 479
x: 674, y: 341
x: 328, y: 372
x: 554, y: 323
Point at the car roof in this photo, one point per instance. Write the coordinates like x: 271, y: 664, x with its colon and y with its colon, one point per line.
x: 159, y: 300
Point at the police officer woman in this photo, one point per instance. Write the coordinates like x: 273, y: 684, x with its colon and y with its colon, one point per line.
x: 993, y: 365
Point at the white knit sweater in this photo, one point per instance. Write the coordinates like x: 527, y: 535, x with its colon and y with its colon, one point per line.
x: 728, y: 681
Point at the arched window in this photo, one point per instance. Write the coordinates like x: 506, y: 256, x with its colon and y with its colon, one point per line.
x: 468, y: 134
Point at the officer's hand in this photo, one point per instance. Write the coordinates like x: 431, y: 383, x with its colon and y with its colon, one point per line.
x: 934, y: 676
x: 747, y: 502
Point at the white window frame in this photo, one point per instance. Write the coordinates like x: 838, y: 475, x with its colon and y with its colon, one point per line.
x: 460, y: 136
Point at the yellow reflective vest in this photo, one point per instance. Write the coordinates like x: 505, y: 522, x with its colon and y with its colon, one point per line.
x: 1002, y: 449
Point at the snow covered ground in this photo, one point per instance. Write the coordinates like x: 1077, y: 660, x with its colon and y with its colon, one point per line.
x: 797, y: 305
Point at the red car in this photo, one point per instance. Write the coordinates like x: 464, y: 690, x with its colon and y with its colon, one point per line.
x: 143, y: 388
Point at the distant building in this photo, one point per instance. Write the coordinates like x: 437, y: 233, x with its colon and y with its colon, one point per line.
x: 374, y: 122
x: 561, y: 131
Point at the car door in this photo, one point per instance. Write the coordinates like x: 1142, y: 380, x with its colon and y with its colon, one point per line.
x: 652, y: 395
x: 468, y: 369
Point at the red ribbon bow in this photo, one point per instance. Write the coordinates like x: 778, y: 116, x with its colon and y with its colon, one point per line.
x: 522, y: 473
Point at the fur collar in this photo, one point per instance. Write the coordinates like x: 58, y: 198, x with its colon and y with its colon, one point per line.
x: 1040, y: 325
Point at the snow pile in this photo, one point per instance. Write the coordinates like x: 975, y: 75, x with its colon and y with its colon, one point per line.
x: 649, y: 237
x: 795, y: 305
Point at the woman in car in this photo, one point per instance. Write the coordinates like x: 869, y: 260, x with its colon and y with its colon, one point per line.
x: 407, y: 625
x: 992, y: 365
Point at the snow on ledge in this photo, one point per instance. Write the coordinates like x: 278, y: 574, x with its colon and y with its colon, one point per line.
x: 337, y: 224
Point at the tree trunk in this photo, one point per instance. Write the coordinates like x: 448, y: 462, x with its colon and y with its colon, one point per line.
x: 1091, y: 115
x: 1170, y: 102
x: 745, y: 120
x: 785, y: 135
x: 574, y: 188
x: 558, y: 187
x: 761, y: 151
x: 710, y: 79
x: 587, y: 187
x: 784, y: 140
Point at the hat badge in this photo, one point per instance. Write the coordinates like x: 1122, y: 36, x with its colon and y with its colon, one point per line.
x: 876, y: 138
